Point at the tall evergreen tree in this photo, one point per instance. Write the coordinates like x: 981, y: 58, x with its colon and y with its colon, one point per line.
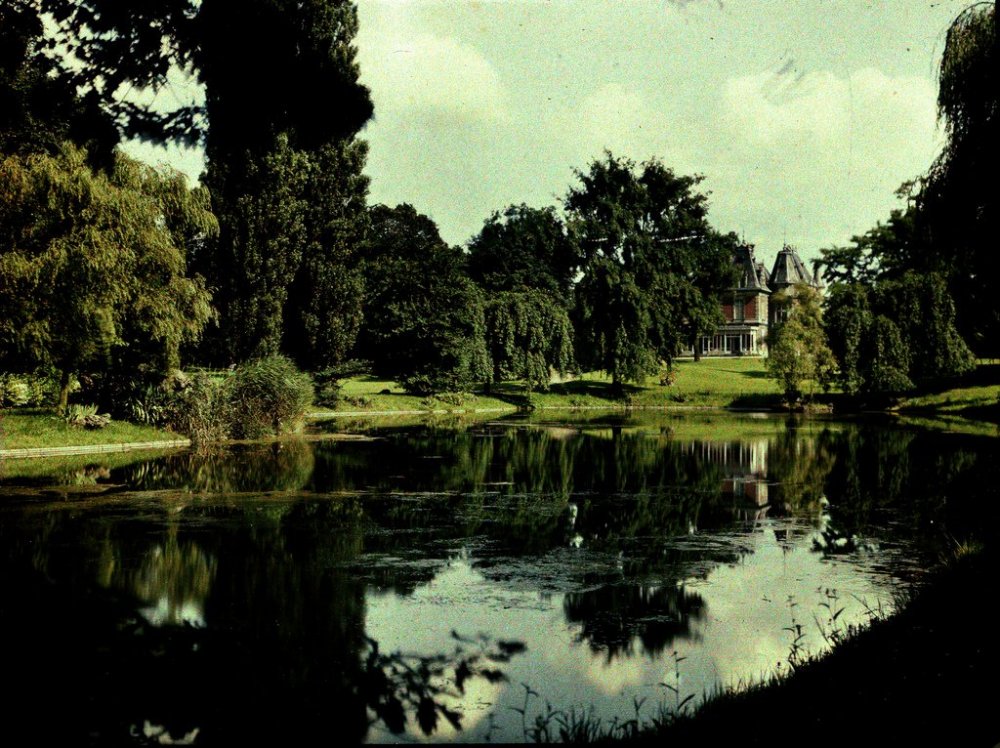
x: 282, y: 106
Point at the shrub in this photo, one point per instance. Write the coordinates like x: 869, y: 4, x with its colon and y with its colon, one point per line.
x: 268, y: 396
x: 196, y: 407
x: 28, y: 390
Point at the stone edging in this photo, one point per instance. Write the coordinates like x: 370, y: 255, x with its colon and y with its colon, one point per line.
x: 91, y: 449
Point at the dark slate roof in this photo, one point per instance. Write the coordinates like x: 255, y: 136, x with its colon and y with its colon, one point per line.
x: 762, y: 275
x: 750, y: 274
x: 789, y: 270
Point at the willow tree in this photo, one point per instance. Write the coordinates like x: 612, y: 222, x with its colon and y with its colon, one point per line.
x: 528, y: 337
x: 92, y: 267
x: 957, y: 200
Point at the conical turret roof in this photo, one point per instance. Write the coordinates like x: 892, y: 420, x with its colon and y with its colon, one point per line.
x: 789, y: 270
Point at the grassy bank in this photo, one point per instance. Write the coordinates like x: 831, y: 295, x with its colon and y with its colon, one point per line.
x: 921, y: 677
x: 710, y: 383
x: 34, y: 429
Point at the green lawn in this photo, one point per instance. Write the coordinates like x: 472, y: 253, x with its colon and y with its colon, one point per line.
x: 955, y: 400
x: 715, y: 382
x: 38, y: 428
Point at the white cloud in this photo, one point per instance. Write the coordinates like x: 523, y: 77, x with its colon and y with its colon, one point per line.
x: 826, y: 116
x: 820, y: 153
x: 413, y: 71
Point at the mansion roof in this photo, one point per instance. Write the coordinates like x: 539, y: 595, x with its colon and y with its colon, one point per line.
x: 787, y: 271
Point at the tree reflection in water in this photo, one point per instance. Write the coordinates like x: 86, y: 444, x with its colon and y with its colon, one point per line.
x: 614, y: 617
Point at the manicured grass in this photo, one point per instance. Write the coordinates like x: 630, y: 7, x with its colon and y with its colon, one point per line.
x: 956, y: 400
x: 718, y: 383
x: 33, y: 429
x: 362, y: 394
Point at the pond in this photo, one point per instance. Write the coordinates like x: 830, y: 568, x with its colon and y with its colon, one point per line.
x: 459, y: 582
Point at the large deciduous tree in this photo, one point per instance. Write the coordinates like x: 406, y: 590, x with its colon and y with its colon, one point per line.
x: 92, y: 270
x: 653, y: 266
x: 525, y: 248
x: 423, y: 315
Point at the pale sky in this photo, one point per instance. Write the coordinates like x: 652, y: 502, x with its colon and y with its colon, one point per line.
x: 803, y: 115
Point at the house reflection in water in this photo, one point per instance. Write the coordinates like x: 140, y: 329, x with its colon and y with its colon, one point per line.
x: 744, y: 469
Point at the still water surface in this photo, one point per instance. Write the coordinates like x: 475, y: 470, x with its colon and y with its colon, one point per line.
x: 416, y: 582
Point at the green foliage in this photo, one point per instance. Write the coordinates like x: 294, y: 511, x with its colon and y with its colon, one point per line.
x: 653, y: 266
x: 323, y: 312
x: 261, y: 67
x: 283, y: 166
x: 528, y: 336
x: 524, y: 248
x: 885, y: 358
x: 286, y: 263
x: 847, y: 320
x: 798, y: 353
x: 267, y: 396
x: 197, y: 407
x: 261, y: 211
x: 894, y: 333
x: 886, y: 250
x: 39, y: 106
x: 424, y: 322
x: 28, y: 390
x: 90, y: 272
x: 922, y: 308
x: 949, y: 225
x: 956, y: 206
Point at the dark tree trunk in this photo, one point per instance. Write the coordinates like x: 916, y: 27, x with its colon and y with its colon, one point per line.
x: 65, y: 379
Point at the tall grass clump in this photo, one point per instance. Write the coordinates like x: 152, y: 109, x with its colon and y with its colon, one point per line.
x: 198, y: 407
x: 267, y: 396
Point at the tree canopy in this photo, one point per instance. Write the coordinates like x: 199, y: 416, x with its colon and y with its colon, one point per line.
x: 957, y: 200
x: 423, y: 315
x: 798, y: 354
x: 948, y: 227
x: 894, y: 333
x: 268, y: 66
x: 39, y: 107
x: 653, y: 267
x: 91, y: 265
x: 528, y: 336
x: 524, y: 248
